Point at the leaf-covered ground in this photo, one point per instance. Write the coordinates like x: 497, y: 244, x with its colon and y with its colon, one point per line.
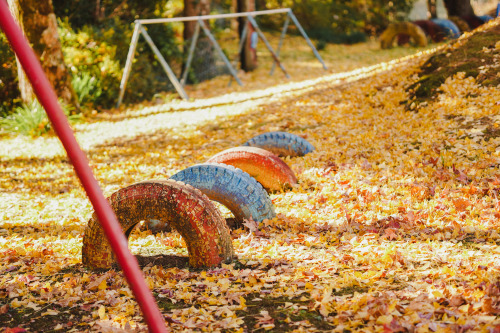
x: 392, y: 228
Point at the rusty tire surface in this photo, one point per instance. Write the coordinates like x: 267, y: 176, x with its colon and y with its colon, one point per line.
x: 268, y: 169
x: 232, y: 187
x: 281, y: 143
x: 163, y: 203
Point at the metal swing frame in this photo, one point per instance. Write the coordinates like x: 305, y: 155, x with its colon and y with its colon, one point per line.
x: 140, y: 29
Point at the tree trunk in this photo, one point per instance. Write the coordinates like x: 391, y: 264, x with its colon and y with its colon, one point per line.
x: 204, y: 62
x: 432, y: 6
x: 40, y: 26
x: 27, y: 94
x: 460, y: 8
x: 194, y: 8
x: 248, y: 56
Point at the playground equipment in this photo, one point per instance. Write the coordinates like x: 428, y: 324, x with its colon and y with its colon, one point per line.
x: 402, y: 28
x: 112, y: 230
x: 232, y: 187
x: 436, y: 29
x: 431, y: 29
x: 160, y: 202
x: 448, y: 28
x: 462, y: 24
x: 281, y: 143
x: 178, y: 85
x: 268, y: 169
x: 163, y: 203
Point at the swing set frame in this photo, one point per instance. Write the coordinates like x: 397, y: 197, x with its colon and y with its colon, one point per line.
x: 139, y: 29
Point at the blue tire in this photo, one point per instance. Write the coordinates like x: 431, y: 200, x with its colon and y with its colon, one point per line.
x: 232, y: 187
x: 449, y: 28
x: 281, y: 143
x: 486, y: 18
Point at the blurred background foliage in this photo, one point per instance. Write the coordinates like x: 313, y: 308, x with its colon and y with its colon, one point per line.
x: 335, y: 21
x: 95, y: 35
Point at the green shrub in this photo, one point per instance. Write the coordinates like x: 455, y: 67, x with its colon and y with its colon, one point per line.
x: 31, y: 120
x: 9, y: 92
x: 328, y: 36
x: 97, y: 45
x: 320, y: 45
x: 95, y: 48
x: 100, y: 53
x: 88, y: 57
x: 86, y: 88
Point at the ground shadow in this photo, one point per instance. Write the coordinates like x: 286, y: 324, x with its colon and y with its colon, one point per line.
x: 163, y: 260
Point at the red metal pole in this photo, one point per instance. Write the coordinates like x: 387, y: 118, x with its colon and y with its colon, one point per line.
x: 105, y: 213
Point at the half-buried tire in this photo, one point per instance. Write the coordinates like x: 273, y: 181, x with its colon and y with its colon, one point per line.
x: 448, y: 28
x: 281, y: 143
x: 163, y: 204
x: 232, y: 187
x: 404, y: 28
x: 268, y: 169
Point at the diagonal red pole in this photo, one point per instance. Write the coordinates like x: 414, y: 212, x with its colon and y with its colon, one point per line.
x: 105, y: 213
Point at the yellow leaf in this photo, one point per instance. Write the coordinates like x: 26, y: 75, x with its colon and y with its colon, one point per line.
x: 102, y: 285
x: 224, y: 284
x: 102, y: 312
x: 243, y: 303
x: 382, y: 320
x: 464, y: 308
x: 252, y: 280
x: 50, y: 313
x: 392, y: 306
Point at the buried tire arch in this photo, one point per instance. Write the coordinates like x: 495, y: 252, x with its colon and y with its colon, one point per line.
x: 281, y: 143
x: 267, y: 168
x: 164, y: 203
x: 410, y: 29
x: 232, y: 187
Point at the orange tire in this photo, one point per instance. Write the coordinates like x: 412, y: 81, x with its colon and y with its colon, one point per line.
x: 268, y: 169
x: 162, y: 203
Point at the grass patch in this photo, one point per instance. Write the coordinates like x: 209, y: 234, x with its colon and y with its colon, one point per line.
x: 468, y: 58
x: 32, y: 120
x: 286, y: 313
x: 351, y: 290
x: 39, y: 321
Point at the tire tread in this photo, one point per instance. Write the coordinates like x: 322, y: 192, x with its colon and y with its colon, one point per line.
x: 281, y: 143
x: 232, y: 187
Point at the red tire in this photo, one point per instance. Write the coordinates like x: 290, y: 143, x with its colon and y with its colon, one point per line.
x: 268, y: 169
x: 158, y: 203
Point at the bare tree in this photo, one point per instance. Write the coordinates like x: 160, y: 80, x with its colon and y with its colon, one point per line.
x: 39, y: 24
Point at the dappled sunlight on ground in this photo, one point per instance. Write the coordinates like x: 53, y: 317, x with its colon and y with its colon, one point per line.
x: 393, y: 225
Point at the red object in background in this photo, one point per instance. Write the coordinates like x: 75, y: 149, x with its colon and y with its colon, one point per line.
x: 430, y: 28
x: 47, y: 97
